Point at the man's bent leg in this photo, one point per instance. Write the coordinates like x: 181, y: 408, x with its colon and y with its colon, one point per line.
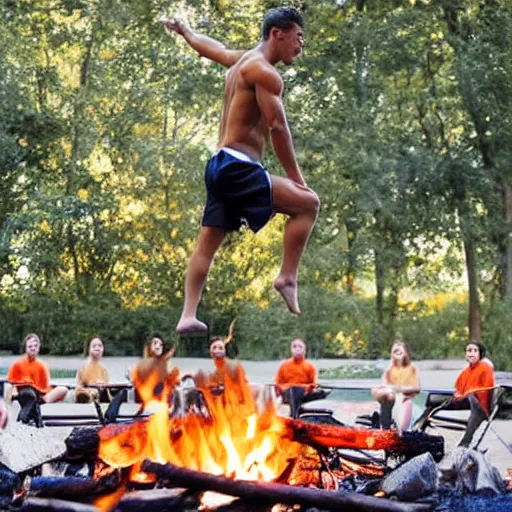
x: 301, y: 204
x: 210, y: 239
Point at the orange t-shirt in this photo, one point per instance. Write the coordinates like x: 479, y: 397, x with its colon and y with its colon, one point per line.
x: 292, y: 372
x: 33, y: 372
x: 474, y: 377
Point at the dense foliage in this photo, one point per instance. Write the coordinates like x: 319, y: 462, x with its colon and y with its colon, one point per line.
x: 401, y: 113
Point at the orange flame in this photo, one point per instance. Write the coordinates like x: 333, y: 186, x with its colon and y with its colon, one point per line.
x: 231, y: 439
x: 109, y: 501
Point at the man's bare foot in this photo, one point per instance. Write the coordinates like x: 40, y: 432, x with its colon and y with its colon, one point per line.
x: 288, y: 290
x: 186, y: 325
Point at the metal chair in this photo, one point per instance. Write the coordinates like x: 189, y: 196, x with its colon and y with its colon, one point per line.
x: 497, y: 394
x: 438, y: 406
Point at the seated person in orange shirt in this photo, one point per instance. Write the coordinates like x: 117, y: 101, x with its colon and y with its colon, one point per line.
x: 31, y: 380
x: 296, y: 379
x: 92, y: 373
x: 400, y: 379
x: 477, y: 375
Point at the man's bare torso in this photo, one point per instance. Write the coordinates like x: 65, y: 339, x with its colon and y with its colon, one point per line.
x: 241, y: 125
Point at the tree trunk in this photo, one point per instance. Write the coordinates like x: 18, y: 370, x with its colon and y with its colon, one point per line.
x: 71, y: 184
x: 506, y: 256
x: 351, y: 228
x: 474, y: 323
x: 379, y: 285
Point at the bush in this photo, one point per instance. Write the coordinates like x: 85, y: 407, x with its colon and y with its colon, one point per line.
x: 334, y: 325
x: 435, y: 336
x: 497, y: 335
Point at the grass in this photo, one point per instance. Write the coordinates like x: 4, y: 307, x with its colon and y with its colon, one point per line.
x: 351, y: 372
x: 62, y: 374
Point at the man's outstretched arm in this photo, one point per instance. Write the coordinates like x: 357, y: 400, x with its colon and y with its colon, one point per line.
x: 204, y: 45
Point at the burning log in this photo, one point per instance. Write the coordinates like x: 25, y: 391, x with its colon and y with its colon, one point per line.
x: 156, y: 499
x: 264, y: 492
x: 410, y: 443
x: 85, y: 441
x: 72, y: 488
x: 53, y: 505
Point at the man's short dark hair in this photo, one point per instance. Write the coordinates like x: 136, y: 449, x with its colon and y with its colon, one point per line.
x: 280, y: 17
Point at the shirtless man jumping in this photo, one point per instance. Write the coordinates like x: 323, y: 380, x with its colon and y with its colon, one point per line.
x: 238, y: 186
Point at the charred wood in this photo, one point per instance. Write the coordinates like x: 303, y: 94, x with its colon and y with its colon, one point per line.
x: 262, y: 492
x: 162, y: 500
x: 416, y: 443
x: 72, y: 488
x: 8, y: 480
x: 240, y: 505
x: 54, y: 505
x: 83, y: 442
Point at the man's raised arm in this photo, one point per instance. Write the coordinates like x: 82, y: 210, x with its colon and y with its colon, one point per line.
x: 204, y: 45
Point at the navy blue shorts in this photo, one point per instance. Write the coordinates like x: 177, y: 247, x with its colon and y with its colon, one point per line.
x: 239, y: 191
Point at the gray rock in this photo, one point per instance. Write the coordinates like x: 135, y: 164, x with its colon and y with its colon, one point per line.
x: 470, y: 472
x: 413, y: 480
x: 24, y: 447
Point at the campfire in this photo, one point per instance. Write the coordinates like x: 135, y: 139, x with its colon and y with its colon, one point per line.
x: 210, y: 430
x: 193, y: 440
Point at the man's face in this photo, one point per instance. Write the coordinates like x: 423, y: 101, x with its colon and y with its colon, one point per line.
x: 217, y: 350
x: 292, y: 43
x: 157, y: 347
x: 32, y: 346
x: 298, y: 348
x: 472, y: 354
x: 96, y: 348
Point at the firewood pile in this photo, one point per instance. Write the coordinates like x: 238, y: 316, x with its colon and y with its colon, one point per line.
x: 217, y: 451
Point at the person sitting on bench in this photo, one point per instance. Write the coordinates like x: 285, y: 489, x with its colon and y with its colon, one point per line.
x: 478, y: 375
x: 296, y: 379
x: 400, y: 379
x: 92, y: 373
x: 31, y: 380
